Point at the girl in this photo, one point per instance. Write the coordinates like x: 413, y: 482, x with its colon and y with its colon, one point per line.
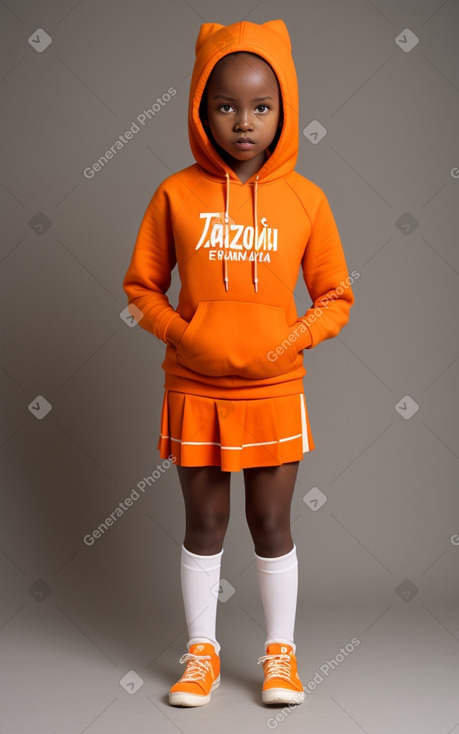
x: 239, y: 223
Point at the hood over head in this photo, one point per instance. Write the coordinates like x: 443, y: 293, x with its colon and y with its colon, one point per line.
x: 271, y: 41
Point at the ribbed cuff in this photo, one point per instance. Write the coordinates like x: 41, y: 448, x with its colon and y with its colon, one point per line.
x: 277, y: 564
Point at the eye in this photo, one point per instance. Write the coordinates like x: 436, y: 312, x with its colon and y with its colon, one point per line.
x: 265, y: 108
x: 225, y: 107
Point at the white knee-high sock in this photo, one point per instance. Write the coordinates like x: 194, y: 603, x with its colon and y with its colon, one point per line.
x: 278, y: 579
x: 198, y: 575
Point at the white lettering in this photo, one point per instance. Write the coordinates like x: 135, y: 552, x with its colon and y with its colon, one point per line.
x: 229, y: 237
x: 207, y: 216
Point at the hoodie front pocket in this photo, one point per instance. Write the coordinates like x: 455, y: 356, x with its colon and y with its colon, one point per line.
x: 237, y: 338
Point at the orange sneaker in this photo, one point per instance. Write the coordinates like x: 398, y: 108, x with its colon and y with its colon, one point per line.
x: 282, y: 683
x: 201, y: 676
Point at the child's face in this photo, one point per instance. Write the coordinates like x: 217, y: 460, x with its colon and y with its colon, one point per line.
x: 243, y: 102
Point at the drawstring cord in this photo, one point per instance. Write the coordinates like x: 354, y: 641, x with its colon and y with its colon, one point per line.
x: 226, y: 230
x: 255, y: 216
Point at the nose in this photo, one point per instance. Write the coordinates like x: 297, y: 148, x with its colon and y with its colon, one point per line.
x: 243, y: 122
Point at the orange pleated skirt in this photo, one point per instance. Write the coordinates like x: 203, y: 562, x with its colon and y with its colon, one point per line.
x: 234, y: 434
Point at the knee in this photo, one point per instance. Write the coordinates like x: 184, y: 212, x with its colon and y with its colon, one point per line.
x: 270, y: 533
x: 205, y: 534
x: 265, y: 523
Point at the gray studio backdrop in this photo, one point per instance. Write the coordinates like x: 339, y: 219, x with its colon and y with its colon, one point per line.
x: 375, y: 512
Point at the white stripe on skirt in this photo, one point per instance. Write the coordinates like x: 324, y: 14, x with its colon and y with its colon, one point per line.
x: 304, y: 427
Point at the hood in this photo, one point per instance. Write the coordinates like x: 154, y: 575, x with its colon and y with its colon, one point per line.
x: 271, y: 41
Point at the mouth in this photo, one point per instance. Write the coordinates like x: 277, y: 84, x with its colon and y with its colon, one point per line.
x: 244, y: 143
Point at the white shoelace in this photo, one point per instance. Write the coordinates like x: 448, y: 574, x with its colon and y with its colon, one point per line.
x: 278, y: 666
x: 198, y: 666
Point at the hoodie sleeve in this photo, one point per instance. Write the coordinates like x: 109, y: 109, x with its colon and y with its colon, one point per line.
x: 327, y: 280
x: 148, y: 277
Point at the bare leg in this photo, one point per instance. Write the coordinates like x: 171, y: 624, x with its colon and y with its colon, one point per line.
x: 268, y: 497
x: 206, y: 493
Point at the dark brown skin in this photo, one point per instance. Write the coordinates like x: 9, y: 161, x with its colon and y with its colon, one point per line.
x: 268, y: 496
x: 243, y: 100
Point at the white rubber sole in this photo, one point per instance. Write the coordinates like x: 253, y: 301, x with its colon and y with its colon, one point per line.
x: 281, y: 695
x: 182, y: 698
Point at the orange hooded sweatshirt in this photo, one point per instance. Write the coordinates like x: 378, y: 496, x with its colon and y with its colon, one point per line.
x: 238, y: 247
